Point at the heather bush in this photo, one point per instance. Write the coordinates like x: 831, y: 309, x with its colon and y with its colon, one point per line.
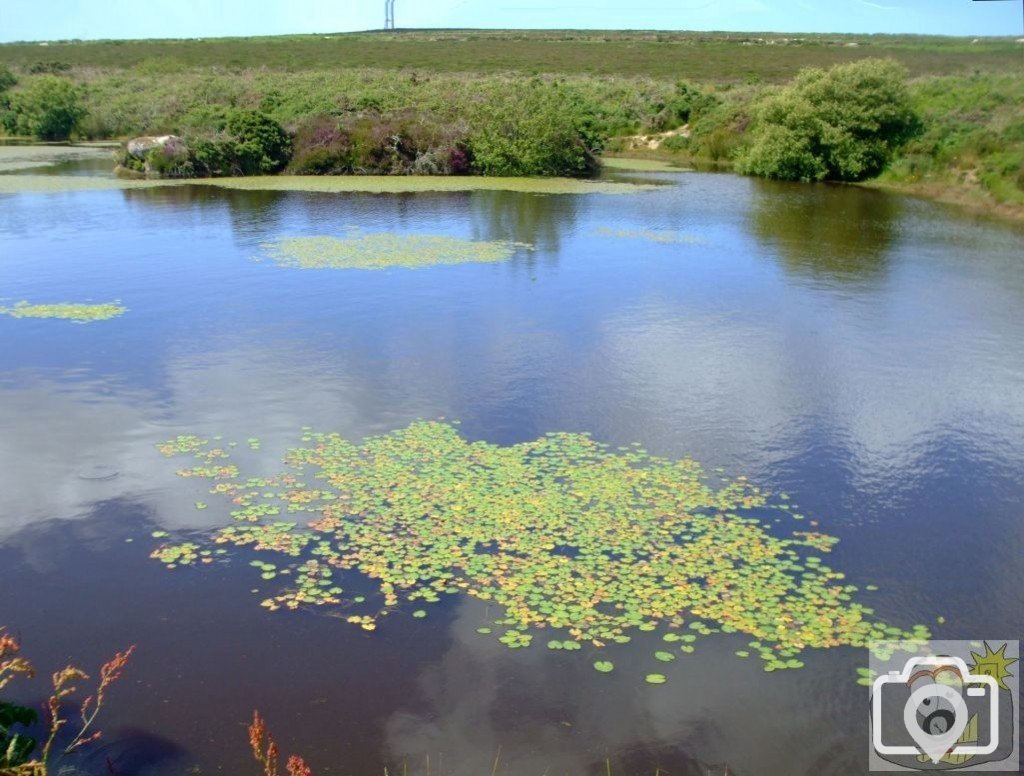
x: 321, y: 147
x: 399, y: 143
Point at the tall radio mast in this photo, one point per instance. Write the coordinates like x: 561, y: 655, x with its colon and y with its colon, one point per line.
x: 389, y: 14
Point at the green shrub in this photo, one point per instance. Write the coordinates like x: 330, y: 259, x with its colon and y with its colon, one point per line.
x: 534, y: 129
x: 243, y: 142
x: 49, y: 108
x: 8, y: 117
x: 213, y: 157
x: 261, y: 144
x: 686, y: 104
x: 840, y: 124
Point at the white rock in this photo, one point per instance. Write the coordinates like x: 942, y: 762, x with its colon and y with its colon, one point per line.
x: 140, y: 146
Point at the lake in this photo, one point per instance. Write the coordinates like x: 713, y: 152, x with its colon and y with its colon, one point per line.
x: 859, y: 352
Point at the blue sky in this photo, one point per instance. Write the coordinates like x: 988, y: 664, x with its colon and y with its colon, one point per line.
x: 59, y: 19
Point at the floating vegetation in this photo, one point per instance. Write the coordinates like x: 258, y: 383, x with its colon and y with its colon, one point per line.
x: 60, y: 184
x: 383, y: 250
x: 79, y: 313
x: 640, y: 165
x: 401, y: 184
x: 26, y: 156
x: 652, y: 235
x: 565, y: 535
x: 366, y: 184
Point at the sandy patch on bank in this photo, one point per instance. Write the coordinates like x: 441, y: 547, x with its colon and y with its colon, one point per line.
x: 653, y: 141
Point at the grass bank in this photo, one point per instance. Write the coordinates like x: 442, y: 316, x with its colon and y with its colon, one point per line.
x: 344, y: 97
x: 969, y: 150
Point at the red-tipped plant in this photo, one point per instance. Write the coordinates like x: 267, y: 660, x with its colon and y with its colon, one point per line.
x: 10, y: 664
x: 265, y: 750
x: 110, y: 672
x: 15, y: 758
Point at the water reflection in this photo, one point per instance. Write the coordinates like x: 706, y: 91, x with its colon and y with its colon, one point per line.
x: 99, y: 440
x: 536, y: 219
x: 473, y: 699
x: 539, y: 220
x: 840, y: 233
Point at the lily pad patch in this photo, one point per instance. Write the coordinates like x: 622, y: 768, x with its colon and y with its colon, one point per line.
x: 576, y: 543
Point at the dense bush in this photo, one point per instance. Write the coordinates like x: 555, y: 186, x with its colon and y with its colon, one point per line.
x: 8, y: 118
x: 534, y: 129
x: 7, y: 79
x: 123, y: 103
x: 53, y: 67
x: 48, y: 108
x: 840, y: 124
x: 502, y: 127
x: 688, y: 102
x: 261, y: 146
x: 244, y: 143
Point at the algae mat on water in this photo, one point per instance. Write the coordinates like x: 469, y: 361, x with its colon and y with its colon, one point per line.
x: 565, y: 534
x: 399, y: 184
x: 382, y: 250
x: 369, y: 184
x: 633, y: 164
x: 26, y: 156
x: 651, y: 235
x: 78, y: 313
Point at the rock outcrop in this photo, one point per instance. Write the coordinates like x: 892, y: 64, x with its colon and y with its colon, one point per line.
x: 160, y: 156
x: 140, y: 147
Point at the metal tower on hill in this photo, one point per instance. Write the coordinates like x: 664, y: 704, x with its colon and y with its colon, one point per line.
x: 389, y: 14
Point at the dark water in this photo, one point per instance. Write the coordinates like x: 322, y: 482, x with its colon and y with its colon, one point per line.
x: 863, y: 352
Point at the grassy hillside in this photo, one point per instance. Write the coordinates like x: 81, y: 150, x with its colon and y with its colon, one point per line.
x: 717, y: 57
